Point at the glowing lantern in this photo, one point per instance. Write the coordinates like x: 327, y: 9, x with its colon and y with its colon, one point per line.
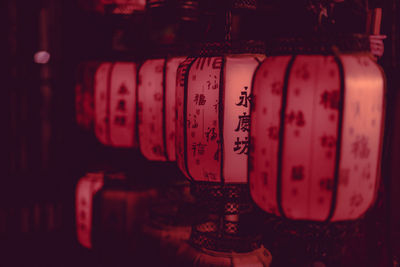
x: 85, y: 190
x: 213, y: 105
x: 157, y: 109
x: 214, y: 95
x: 317, y: 130
x: 84, y: 91
x: 115, y: 104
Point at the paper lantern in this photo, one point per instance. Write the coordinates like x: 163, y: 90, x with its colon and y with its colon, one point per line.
x: 115, y: 104
x: 317, y: 130
x: 86, y: 188
x: 157, y: 109
x: 213, y: 104
x: 213, y: 99
x: 84, y: 91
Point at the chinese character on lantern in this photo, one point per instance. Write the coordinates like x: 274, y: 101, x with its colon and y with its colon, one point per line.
x: 115, y: 104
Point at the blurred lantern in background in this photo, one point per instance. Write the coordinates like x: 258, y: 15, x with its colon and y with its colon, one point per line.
x: 115, y: 104
x: 86, y: 188
x: 109, y: 212
x: 157, y: 108
x: 105, y: 99
x: 317, y: 129
x: 169, y: 225
x: 170, y: 218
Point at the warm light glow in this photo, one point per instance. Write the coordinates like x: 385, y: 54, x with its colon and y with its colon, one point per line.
x: 41, y: 57
x: 115, y: 104
x: 86, y: 188
x: 324, y: 163
x: 214, y: 98
x: 157, y: 109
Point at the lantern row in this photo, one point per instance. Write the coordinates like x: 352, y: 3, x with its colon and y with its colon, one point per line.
x: 316, y: 124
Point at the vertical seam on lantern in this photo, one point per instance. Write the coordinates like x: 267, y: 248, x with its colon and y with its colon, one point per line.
x: 252, y: 106
x: 221, y: 117
x: 339, y: 137
x: 281, y: 135
x: 164, y: 114
x: 185, y: 103
x: 108, y: 106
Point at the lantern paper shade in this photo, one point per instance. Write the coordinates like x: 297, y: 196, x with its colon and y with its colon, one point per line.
x: 213, y: 101
x: 316, y: 135
x: 157, y: 109
x: 86, y: 188
x: 115, y: 104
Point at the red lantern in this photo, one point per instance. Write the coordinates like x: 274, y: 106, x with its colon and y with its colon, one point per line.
x: 213, y: 105
x: 317, y: 131
x: 157, y: 109
x: 115, y: 104
x: 213, y: 99
x: 85, y: 190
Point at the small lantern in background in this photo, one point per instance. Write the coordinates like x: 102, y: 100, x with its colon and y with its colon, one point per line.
x: 86, y: 188
x: 115, y: 104
x: 173, y: 27
x: 317, y: 130
x: 157, y: 108
x: 168, y: 226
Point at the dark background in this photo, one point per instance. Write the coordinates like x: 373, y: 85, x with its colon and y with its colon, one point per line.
x: 43, y: 152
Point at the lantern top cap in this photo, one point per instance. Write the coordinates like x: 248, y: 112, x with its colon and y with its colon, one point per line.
x: 318, y: 44
x: 210, y: 49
